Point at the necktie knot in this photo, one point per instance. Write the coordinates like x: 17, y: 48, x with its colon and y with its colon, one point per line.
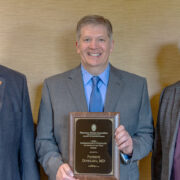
x: 95, y: 80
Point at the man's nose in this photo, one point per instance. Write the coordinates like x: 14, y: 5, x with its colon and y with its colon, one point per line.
x: 93, y: 44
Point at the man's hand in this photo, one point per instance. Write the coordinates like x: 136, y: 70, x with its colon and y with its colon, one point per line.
x: 65, y: 173
x: 124, y: 140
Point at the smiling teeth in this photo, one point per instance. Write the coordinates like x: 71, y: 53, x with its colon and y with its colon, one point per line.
x: 94, y: 54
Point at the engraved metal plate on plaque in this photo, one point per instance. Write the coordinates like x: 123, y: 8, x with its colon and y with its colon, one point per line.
x: 92, y: 150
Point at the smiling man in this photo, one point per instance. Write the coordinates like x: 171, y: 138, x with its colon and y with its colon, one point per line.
x: 94, y: 86
x: 94, y: 46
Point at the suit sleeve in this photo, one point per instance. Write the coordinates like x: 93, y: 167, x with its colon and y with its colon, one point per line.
x: 156, y: 164
x: 46, y: 146
x: 28, y: 164
x: 143, y: 138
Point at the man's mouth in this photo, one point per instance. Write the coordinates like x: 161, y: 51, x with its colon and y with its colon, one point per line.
x: 94, y: 54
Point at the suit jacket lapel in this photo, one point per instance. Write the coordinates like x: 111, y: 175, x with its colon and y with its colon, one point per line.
x: 2, y: 89
x: 75, y: 85
x: 113, y: 94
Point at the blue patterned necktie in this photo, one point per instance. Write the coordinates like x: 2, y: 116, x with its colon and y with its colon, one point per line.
x: 95, y: 104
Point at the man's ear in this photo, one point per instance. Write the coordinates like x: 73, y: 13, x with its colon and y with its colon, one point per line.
x: 112, y: 45
x: 77, y: 47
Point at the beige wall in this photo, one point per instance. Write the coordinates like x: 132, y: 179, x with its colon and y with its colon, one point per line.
x: 37, y: 38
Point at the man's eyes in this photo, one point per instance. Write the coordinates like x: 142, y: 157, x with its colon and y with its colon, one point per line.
x: 86, y: 40
x: 101, y: 40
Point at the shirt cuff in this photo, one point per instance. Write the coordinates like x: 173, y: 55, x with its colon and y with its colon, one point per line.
x: 126, y: 159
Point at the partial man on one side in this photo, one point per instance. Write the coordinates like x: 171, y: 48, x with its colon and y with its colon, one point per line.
x: 166, y: 151
x: 17, y: 149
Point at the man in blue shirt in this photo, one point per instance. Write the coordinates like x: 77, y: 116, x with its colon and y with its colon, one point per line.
x: 72, y: 91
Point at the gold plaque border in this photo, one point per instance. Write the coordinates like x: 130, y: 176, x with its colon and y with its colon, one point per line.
x: 99, y: 118
x: 115, y: 116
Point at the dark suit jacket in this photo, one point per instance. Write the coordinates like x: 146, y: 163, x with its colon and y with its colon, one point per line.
x: 64, y: 93
x: 166, y: 133
x: 17, y: 154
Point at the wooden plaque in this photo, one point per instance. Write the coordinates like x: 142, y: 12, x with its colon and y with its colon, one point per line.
x: 93, y: 154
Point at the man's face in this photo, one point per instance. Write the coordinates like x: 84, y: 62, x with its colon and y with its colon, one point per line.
x: 94, y: 47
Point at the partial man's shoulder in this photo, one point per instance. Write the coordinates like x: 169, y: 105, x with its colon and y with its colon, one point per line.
x: 62, y: 76
x: 127, y: 75
x: 174, y: 86
x: 171, y: 90
x: 10, y: 74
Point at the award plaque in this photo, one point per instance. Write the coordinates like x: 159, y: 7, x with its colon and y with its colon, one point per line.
x: 93, y: 153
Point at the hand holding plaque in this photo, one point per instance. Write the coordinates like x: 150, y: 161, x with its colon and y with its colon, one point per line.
x: 65, y: 172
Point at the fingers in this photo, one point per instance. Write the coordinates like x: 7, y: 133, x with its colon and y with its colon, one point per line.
x: 66, y: 170
x: 65, y: 173
x: 123, y: 140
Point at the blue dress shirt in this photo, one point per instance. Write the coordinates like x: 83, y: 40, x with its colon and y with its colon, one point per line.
x: 102, y: 85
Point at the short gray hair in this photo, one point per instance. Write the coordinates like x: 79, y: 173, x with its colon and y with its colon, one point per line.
x: 95, y: 20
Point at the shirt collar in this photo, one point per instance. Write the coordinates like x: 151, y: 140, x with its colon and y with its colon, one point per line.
x: 104, y: 76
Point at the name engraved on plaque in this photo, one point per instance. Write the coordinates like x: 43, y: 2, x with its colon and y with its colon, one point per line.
x: 93, y: 146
